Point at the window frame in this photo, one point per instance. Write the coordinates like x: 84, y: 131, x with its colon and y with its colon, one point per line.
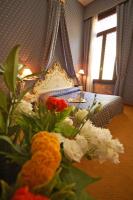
x: 104, y: 35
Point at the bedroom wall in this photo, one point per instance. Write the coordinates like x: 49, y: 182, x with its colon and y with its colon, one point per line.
x: 74, y: 17
x: 24, y: 22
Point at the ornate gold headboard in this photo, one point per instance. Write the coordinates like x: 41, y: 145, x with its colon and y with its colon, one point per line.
x: 55, y: 79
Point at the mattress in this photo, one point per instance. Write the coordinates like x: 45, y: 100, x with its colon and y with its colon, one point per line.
x: 112, y: 105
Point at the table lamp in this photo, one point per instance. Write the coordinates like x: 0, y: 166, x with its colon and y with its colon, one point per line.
x: 26, y: 72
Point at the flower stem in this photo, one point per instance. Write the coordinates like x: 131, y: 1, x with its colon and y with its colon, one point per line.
x: 9, y: 114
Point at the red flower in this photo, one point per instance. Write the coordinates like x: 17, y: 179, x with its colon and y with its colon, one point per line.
x: 24, y: 194
x: 56, y: 104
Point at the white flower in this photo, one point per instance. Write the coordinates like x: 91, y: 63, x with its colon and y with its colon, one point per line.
x: 82, y: 142
x: 81, y: 114
x: 101, y: 145
x: 74, y: 149
x: 60, y: 137
x: 97, y: 143
x: 24, y: 107
x: 68, y: 121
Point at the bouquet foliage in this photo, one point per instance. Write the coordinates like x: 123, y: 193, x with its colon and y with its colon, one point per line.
x: 40, y: 143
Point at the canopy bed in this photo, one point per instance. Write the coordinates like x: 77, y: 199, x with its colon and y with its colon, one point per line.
x: 57, y: 83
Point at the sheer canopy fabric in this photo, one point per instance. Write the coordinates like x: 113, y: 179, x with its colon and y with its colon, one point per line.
x: 66, y: 45
x: 56, y: 24
x: 54, y: 10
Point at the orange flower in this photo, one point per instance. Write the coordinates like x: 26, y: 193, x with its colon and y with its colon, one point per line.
x: 46, y: 158
x: 35, y: 173
x: 44, y: 140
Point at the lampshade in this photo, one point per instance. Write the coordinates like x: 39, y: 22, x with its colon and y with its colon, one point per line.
x: 81, y: 71
x: 26, y: 72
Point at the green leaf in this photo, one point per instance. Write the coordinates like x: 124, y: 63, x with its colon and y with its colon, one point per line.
x: 96, y: 108
x: 2, y: 122
x: 3, y: 101
x: 62, y: 115
x: 1, y: 69
x: 72, y: 174
x: 30, y: 121
x: 5, y: 190
x: 84, y: 196
x: 13, y: 146
x: 30, y: 125
x: 11, y: 68
x: 20, y: 160
x: 66, y: 192
x: 23, y: 93
x: 66, y: 130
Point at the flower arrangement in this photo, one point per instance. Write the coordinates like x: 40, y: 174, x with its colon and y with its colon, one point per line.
x: 24, y: 193
x: 39, y: 144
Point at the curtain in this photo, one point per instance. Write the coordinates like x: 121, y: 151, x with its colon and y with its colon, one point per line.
x: 54, y: 10
x: 124, y: 42
x: 86, y: 48
x: 66, y: 45
x: 56, y: 23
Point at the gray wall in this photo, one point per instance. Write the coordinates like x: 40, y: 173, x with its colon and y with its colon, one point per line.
x: 24, y: 22
x: 74, y: 17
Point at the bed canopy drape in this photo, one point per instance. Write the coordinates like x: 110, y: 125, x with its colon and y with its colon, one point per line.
x: 56, y: 24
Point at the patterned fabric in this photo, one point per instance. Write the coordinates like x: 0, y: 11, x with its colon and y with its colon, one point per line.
x: 66, y: 46
x: 56, y: 17
x: 60, y: 93
x: 54, y: 10
x: 124, y: 47
x: 112, y: 105
x: 23, y: 22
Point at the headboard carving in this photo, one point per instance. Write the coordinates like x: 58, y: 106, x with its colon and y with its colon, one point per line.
x: 55, y: 79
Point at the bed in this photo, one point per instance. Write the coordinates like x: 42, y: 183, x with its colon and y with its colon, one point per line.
x: 57, y: 83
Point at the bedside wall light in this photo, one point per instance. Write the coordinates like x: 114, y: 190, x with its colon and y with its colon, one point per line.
x: 81, y: 72
x: 26, y: 81
x: 26, y: 72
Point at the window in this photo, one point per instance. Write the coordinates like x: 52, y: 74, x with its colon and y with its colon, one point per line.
x: 104, y: 54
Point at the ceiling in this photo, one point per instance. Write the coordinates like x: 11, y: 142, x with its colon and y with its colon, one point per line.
x: 85, y: 2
